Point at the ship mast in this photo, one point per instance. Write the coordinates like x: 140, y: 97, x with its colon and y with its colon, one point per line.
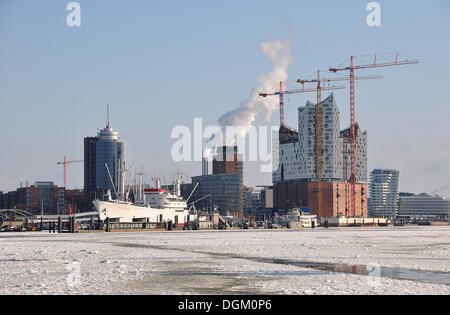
x: 141, y: 195
x: 178, y: 187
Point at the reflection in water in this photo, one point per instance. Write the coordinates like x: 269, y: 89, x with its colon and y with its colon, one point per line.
x: 384, y: 272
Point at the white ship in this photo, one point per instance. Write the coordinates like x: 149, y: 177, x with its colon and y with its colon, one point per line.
x: 151, y: 205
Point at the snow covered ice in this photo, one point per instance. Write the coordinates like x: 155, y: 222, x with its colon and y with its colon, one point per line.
x: 221, y: 262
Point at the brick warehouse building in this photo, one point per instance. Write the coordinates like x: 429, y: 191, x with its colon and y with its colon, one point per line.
x: 226, y: 161
x: 43, y: 197
x: 304, y: 195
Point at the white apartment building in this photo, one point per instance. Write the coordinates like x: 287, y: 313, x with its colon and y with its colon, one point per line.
x: 384, y: 192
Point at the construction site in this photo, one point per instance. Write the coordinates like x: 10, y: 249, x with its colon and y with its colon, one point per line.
x: 321, y: 167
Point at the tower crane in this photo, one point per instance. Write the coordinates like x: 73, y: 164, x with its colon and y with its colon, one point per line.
x: 319, y: 149
x: 64, y: 163
x: 281, y: 94
x: 352, y: 68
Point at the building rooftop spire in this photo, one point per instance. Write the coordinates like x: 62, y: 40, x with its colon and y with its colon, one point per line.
x: 108, y: 134
x: 107, y: 116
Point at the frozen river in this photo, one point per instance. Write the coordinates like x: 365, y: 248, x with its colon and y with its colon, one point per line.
x: 404, y: 260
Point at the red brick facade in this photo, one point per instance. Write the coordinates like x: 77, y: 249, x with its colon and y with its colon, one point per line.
x: 335, y: 198
x: 226, y: 162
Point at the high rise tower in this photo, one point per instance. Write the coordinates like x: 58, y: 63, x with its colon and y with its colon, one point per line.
x: 105, y: 148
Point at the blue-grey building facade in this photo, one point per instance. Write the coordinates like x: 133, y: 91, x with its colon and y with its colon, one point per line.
x: 102, y: 153
x: 109, y: 151
x: 424, y: 205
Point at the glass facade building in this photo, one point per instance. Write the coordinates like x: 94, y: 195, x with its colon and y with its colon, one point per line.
x: 104, y: 149
x: 226, y: 193
x: 225, y: 186
x: 46, y: 195
x: 108, y: 151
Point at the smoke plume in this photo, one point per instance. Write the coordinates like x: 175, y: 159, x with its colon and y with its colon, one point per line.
x: 279, y: 53
x: 242, y: 118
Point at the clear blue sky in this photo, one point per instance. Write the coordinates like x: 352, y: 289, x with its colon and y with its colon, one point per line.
x: 161, y: 63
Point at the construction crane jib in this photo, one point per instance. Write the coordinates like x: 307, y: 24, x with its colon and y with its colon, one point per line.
x: 352, y: 68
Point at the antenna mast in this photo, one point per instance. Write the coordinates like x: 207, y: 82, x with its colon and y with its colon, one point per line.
x: 107, y: 116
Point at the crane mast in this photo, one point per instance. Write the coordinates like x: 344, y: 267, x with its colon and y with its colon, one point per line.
x: 64, y: 163
x: 352, y: 78
x: 352, y: 140
x: 319, y: 146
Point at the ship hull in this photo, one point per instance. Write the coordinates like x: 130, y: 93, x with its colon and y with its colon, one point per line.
x: 127, y: 213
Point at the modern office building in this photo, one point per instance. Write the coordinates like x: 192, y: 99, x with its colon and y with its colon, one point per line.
x: 295, y: 179
x: 89, y: 171
x: 103, y: 159
x: 225, y: 193
x: 225, y: 187
x: 384, y: 192
x: 109, y: 159
x: 424, y: 205
x: 50, y: 197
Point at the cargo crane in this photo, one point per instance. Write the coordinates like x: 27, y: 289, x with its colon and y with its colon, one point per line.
x: 319, y: 149
x: 352, y: 68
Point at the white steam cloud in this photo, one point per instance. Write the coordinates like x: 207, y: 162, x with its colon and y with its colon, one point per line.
x: 279, y: 53
x: 242, y: 118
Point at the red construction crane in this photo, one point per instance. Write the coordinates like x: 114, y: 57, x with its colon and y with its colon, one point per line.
x: 319, y: 148
x: 281, y: 93
x: 352, y: 78
x: 65, y: 168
